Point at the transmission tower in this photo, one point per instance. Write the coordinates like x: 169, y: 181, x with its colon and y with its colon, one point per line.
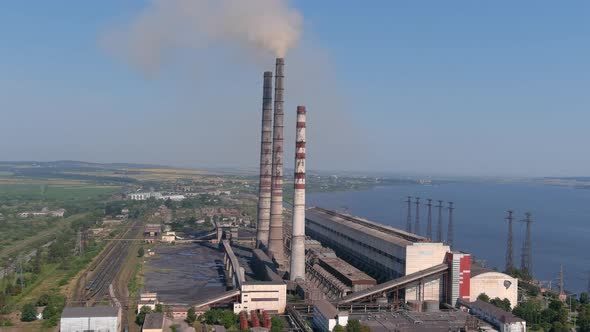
x: 409, y: 219
x: 417, y: 225
x: 439, y: 223
x: 450, y: 229
x: 429, y: 220
x: 526, y: 263
x: 561, y: 280
x: 509, y: 250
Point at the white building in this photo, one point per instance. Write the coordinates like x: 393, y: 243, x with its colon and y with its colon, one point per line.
x: 493, y: 284
x: 504, y: 321
x: 269, y: 296
x: 326, y: 316
x: 79, y: 319
x: 169, y: 237
x: 142, y: 196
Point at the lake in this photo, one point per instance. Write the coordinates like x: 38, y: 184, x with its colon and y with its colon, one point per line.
x: 560, y: 229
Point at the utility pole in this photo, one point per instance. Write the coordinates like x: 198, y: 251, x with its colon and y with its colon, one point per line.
x: 439, y: 231
x: 417, y: 225
x: 526, y: 263
x: 509, y: 250
x: 409, y: 219
x: 429, y: 220
x: 450, y: 228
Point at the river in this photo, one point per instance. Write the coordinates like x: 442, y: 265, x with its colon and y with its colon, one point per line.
x: 560, y: 229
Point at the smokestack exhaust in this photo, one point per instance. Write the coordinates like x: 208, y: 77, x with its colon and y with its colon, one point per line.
x: 275, y: 243
x: 264, y: 191
x: 298, y: 237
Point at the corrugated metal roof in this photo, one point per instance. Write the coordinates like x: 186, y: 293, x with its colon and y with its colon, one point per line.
x: 326, y: 308
x: 100, y: 311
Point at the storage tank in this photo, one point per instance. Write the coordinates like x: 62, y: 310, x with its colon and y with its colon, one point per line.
x: 415, y: 305
x: 431, y: 306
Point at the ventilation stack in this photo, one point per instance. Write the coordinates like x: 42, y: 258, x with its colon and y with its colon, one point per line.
x: 263, y: 224
x: 298, y: 237
x: 275, y: 243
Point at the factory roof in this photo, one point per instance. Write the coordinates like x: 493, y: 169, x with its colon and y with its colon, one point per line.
x: 153, y: 321
x: 254, y: 282
x: 389, y: 234
x: 403, y: 321
x: 477, y: 270
x: 492, y: 310
x: 326, y: 308
x: 354, y: 275
x: 80, y: 312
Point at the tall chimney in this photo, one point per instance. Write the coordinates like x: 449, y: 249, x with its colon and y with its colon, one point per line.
x: 275, y: 243
x: 265, y: 164
x: 298, y: 237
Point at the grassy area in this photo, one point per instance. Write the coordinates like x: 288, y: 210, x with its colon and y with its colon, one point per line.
x: 136, y: 282
x: 43, y: 191
x: 16, y: 237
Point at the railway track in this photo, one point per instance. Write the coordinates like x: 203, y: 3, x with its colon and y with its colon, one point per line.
x: 105, y: 268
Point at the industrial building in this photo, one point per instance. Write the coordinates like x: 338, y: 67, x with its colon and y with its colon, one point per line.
x: 326, y: 316
x: 504, y: 321
x: 101, y: 318
x: 264, y: 295
x: 493, y: 284
x: 154, y: 322
x: 383, y: 252
x: 411, y: 321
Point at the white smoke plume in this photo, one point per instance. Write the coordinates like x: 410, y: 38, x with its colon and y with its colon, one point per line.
x: 257, y: 25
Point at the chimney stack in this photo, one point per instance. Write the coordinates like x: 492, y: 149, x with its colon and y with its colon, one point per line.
x: 275, y: 243
x: 298, y: 237
x: 264, y: 191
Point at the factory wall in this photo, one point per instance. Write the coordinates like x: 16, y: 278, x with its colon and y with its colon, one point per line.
x: 386, y: 258
x: 495, y: 284
x: 420, y: 256
x: 267, y: 296
x: 89, y: 324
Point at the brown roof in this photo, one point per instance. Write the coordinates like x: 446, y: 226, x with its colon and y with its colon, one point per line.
x: 326, y: 308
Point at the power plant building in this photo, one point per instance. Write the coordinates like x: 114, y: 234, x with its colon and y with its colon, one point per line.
x: 493, y: 284
x: 385, y: 252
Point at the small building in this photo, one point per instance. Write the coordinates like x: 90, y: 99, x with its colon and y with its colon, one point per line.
x: 153, y: 322
x: 152, y: 232
x: 503, y: 320
x: 270, y: 296
x: 179, y: 312
x: 147, y: 300
x: 326, y: 316
x: 169, y: 237
x: 101, y: 318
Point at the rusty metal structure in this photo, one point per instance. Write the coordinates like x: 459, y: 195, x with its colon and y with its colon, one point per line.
x: 264, y: 191
x: 275, y: 242
x: 298, y: 237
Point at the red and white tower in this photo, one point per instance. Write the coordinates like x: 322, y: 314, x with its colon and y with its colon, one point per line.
x: 298, y: 237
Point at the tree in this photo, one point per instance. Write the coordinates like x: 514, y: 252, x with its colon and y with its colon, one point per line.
x: 502, y: 304
x: 141, y: 315
x: 191, y: 316
x: 483, y: 297
x: 353, y: 326
x: 28, y: 312
x: 43, y: 300
x: 159, y: 307
x: 277, y: 324
x: 38, y: 261
x: 337, y: 328
x: 140, y: 252
x: 584, y: 298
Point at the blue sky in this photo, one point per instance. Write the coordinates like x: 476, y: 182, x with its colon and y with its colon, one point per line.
x: 430, y: 87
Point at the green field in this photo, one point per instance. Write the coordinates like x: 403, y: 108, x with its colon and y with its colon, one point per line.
x: 54, y: 192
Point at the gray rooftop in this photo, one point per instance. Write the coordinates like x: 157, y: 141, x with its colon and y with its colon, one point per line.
x: 326, y: 308
x: 501, y: 314
x: 101, y: 311
x: 154, y: 321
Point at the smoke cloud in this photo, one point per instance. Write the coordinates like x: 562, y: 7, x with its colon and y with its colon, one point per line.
x: 267, y: 26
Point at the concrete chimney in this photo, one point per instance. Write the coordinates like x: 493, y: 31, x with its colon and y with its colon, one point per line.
x: 298, y: 237
x: 275, y: 243
x: 263, y: 224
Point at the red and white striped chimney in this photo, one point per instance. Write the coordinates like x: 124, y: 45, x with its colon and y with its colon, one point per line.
x: 298, y: 236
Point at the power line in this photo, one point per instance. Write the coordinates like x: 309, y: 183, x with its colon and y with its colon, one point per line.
x: 429, y: 219
x: 417, y: 225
